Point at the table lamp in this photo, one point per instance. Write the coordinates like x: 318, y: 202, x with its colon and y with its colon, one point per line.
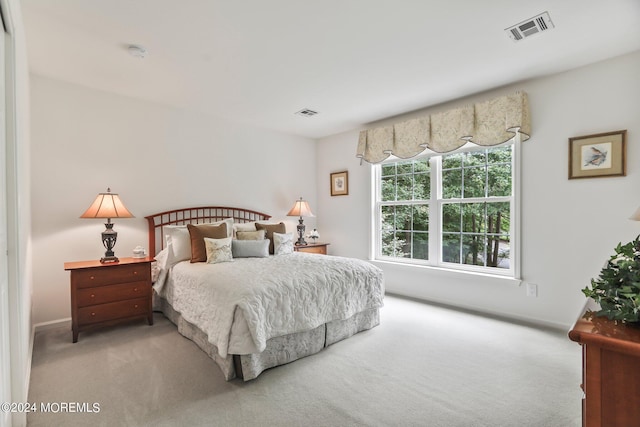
x: 108, y: 205
x: 300, y: 208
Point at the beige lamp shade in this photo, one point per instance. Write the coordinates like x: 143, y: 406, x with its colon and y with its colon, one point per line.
x: 300, y: 208
x: 107, y: 205
x: 636, y: 215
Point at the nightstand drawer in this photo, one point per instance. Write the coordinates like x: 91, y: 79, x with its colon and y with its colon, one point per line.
x: 112, y: 293
x: 312, y: 248
x: 113, y: 310
x: 88, y: 278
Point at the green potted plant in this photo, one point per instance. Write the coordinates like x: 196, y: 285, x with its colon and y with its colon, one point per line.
x: 617, y: 288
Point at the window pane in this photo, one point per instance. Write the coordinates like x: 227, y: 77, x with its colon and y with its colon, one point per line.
x: 452, y: 161
x: 499, y: 180
x: 389, y: 188
x: 422, y: 187
x: 404, y: 231
x: 421, y: 166
x: 452, y: 184
x: 387, y: 216
x: 388, y: 246
x: 405, y: 167
x: 420, y: 218
x: 498, y: 217
x: 405, y: 187
x: 404, y: 239
x: 476, y: 158
x: 389, y: 169
x: 420, y: 245
x: 403, y: 217
x: 451, y: 217
x: 451, y: 248
x: 472, y: 249
x: 474, y: 182
x: 473, y: 217
x: 501, y: 259
x: 500, y: 155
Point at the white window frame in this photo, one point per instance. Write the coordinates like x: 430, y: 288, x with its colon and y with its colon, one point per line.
x: 435, y: 215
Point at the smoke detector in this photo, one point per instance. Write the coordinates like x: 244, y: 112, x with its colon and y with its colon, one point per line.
x: 306, y: 112
x: 137, y: 51
x: 530, y: 27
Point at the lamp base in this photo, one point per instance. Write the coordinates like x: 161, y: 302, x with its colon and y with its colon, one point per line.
x: 109, y: 259
x: 300, y: 227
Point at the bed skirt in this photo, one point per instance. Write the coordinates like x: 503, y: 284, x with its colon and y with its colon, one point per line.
x: 279, y: 350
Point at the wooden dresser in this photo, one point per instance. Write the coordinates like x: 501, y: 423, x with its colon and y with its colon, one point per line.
x: 103, y: 294
x: 312, y: 248
x: 611, y: 370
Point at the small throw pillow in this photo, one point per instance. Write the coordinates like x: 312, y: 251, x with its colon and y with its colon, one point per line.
x: 198, y: 234
x: 270, y: 229
x: 250, y: 248
x: 218, y: 250
x: 251, y: 235
x: 282, y: 243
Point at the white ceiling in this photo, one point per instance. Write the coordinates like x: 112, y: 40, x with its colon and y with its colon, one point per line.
x: 353, y: 61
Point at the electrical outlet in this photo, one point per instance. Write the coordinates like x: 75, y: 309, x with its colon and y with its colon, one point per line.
x: 532, y: 290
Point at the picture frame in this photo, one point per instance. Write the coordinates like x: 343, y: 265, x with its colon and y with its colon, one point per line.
x: 340, y: 183
x: 599, y: 155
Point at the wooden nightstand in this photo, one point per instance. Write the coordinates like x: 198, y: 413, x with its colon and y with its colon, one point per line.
x: 102, y: 294
x: 610, y: 376
x: 312, y: 248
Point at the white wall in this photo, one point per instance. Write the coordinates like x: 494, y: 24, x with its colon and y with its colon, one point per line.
x: 569, y: 227
x: 157, y: 158
x: 15, y: 347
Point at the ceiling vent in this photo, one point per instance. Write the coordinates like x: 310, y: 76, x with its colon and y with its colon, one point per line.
x: 530, y: 27
x: 306, y: 113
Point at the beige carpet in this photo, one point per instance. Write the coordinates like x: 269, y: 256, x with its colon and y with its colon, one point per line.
x: 424, y: 365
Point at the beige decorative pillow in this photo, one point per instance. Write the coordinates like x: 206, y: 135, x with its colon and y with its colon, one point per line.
x: 244, y: 226
x: 251, y: 235
x: 270, y: 229
x: 198, y: 234
x: 218, y: 250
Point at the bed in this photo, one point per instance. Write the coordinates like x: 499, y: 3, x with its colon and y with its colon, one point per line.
x: 256, y: 311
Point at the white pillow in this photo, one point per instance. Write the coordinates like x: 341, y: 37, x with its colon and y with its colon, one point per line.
x: 160, y: 264
x: 229, y: 222
x: 282, y: 243
x: 179, y: 243
x: 218, y: 250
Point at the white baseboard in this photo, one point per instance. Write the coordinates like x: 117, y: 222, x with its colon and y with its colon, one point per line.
x: 52, y: 324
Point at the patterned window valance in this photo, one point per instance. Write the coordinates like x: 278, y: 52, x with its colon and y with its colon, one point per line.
x: 487, y: 123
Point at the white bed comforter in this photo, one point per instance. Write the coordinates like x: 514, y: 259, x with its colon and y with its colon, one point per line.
x: 243, y: 303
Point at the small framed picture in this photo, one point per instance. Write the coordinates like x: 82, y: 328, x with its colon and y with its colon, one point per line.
x: 599, y: 155
x: 340, y: 183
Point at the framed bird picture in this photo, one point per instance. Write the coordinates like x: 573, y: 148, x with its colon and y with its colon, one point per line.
x: 599, y: 155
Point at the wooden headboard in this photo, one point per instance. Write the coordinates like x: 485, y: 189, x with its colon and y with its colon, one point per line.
x: 201, y: 215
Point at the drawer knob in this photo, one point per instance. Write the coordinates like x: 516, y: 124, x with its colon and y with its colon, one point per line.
x: 135, y: 289
x: 93, y: 295
x: 92, y: 277
x: 135, y: 306
x: 135, y: 273
x: 93, y: 314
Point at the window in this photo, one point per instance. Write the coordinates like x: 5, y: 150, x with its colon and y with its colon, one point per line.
x: 454, y: 210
